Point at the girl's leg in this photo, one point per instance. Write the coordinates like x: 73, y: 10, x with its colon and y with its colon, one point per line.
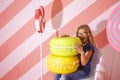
x: 57, y: 76
x: 75, y: 76
x: 66, y: 77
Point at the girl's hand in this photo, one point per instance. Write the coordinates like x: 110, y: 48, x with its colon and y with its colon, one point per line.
x: 79, y: 48
x: 64, y: 35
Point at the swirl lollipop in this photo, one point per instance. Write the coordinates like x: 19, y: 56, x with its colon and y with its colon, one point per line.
x: 40, y: 25
x: 113, y: 29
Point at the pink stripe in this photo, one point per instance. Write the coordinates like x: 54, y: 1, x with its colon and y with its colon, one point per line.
x: 101, y: 39
x: 11, y: 11
x: 51, y: 12
x: 70, y: 25
x: 18, y: 37
x: 48, y: 76
x: 26, y: 64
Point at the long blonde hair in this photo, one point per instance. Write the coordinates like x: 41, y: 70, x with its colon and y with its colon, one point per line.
x: 89, y: 33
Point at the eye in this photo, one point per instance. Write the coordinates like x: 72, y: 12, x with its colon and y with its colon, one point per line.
x: 82, y: 33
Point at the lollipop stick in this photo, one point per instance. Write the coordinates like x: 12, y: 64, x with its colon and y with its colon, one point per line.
x: 41, y: 58
x: 40, y: 25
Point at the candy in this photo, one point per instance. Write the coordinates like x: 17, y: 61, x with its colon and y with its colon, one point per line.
x: 113, y: 29
x: 62, y: 64
x: 39, y: 19
x: 64, y: 46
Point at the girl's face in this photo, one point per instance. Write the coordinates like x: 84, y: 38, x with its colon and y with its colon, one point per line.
x: 82, y: 34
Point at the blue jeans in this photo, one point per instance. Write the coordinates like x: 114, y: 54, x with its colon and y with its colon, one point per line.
x: 57, y: 76
x: 75, y: 76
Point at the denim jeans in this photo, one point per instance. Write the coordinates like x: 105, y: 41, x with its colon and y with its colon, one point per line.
x: 75, y: 76
x: 57, y: 76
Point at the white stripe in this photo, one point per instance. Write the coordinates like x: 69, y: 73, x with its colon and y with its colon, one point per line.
x: 19, y: 54
x: 4, y: 4
x: 36, y: 71
x: 99, y: 24
x: 75, y: 8
x: 19, y: 20
x: 26, y: 47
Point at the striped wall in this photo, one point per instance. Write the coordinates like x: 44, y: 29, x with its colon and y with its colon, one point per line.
x: 20, y: 43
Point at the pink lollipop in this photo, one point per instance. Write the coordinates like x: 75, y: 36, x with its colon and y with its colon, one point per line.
x: 40, y: 25
x: 39, y: 19
x: 113, y: 29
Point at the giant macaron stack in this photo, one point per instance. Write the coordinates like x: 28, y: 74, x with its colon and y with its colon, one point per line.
x: 63, y: 58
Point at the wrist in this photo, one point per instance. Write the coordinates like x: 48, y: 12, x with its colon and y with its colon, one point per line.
x: 82, y: 52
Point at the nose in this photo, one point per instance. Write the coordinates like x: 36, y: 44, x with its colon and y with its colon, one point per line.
x: 80, y: 36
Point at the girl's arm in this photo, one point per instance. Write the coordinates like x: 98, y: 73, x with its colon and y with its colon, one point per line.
x: 84, y: 56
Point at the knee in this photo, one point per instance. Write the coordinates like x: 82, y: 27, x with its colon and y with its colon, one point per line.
x: 65, y: 77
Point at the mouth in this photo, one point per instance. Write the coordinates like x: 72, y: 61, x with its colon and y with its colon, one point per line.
x: 82, y: 38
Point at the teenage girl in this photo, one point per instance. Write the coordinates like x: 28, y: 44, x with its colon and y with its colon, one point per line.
x: 85, y: 51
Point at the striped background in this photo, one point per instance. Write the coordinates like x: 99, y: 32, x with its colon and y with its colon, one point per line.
x: 19, y: 41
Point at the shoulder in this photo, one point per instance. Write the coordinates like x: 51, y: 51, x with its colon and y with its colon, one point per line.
x: 88, y: 47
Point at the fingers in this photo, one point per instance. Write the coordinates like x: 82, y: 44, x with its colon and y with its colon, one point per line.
x: 64, y: 35
x: 77, y: 46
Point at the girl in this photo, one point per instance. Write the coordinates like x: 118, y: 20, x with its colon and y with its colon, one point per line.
x: 85, y: 54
